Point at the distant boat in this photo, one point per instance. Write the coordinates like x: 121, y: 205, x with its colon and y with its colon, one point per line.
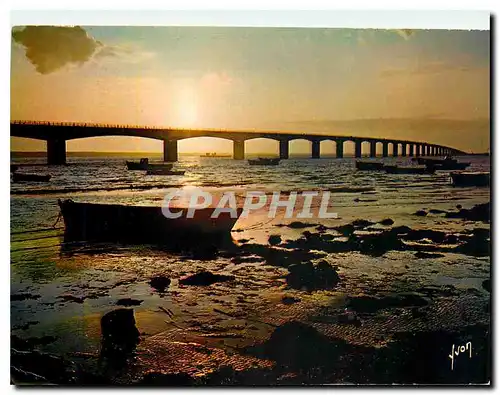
x: 466, y: 179
x: 369, y: 165
x: 447, y: 163
x: 141, y: 224
x: 13, y: 168
x: 264, y: 161
x: 20, y: 177
x: 165, y: 172
x: 432, y: 161
x: 215, y: 155
x: 409, y: 170
x: 144, y: 164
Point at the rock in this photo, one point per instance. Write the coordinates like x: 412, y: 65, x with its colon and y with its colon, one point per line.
x: 423, y: 255
x: 321, y: 228
x: 160, y: 283
x: 458, y: 206
x: 72, y: 298
x: 420, y: 213
x: 204, y: 278
x: 300, y: 225
x: 346, y: 229
x: 287, y: 300
x: 310, y: 277
x: 386, y: 222
x: 23, y: 296
x: 399, y: 230
x: 361, y: 223
x: 379, y: 244
x: 436, y: 211
x: 480, y: 212
x: 128, y: 302
x: 419, y: 234
x: 475, y: 246
x: 451, y: 239
x: 274, y: 240
x: 119, y: 335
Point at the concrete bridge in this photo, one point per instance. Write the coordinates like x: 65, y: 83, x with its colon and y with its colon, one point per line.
x: 57, y: 133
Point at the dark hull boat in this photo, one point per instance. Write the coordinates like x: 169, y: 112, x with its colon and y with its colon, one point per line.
x: 92, y: 222
x: 469, y: 179
x: 409, y: 170
x: 264, y: 161
x: 443, y: 164
x: 376, y: 166
x: 145, y: 165
x: 20, y: 177
x: 164, y: 172
x: 215, y: 155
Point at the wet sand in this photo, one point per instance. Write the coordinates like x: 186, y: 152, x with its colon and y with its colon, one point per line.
x: 349, y: 300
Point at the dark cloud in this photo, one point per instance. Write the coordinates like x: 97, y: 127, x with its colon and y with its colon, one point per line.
x: 49, y: 48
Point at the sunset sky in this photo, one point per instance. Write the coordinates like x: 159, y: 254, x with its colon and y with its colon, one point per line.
x: 430, y: 85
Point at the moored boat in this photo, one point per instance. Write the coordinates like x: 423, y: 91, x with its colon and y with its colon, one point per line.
x: 360, y: 165
x: 165, y: 172
x: 264, y: 161
x: 142, y: 224
x: 467, y: 179
x: 409, y: 170
x: 20, y: 177
x: 144, y: 164
x: 215, y: 155
x: 433, y: 161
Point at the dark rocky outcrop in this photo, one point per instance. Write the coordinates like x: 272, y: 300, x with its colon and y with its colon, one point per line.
x: 128, y: 302
x: 274, y: 240
x: 204, y: 278
x: 421, y: 213
x: 310, y: 277
x: 160, y: 283
x: 119, y: 335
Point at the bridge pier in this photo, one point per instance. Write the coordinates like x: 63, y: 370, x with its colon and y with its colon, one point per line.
x: 315, y: 149
x: 239, y: 149
x: 357, y: 148
x: 403, y: 149
x: 373, y: 149
x: 395, y: 149
x: 56, y: 152
x: 170, y: 152
x: 411, y: 150
x: 340, y: 148
x: 284, y: 149
x: 385, y: 149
